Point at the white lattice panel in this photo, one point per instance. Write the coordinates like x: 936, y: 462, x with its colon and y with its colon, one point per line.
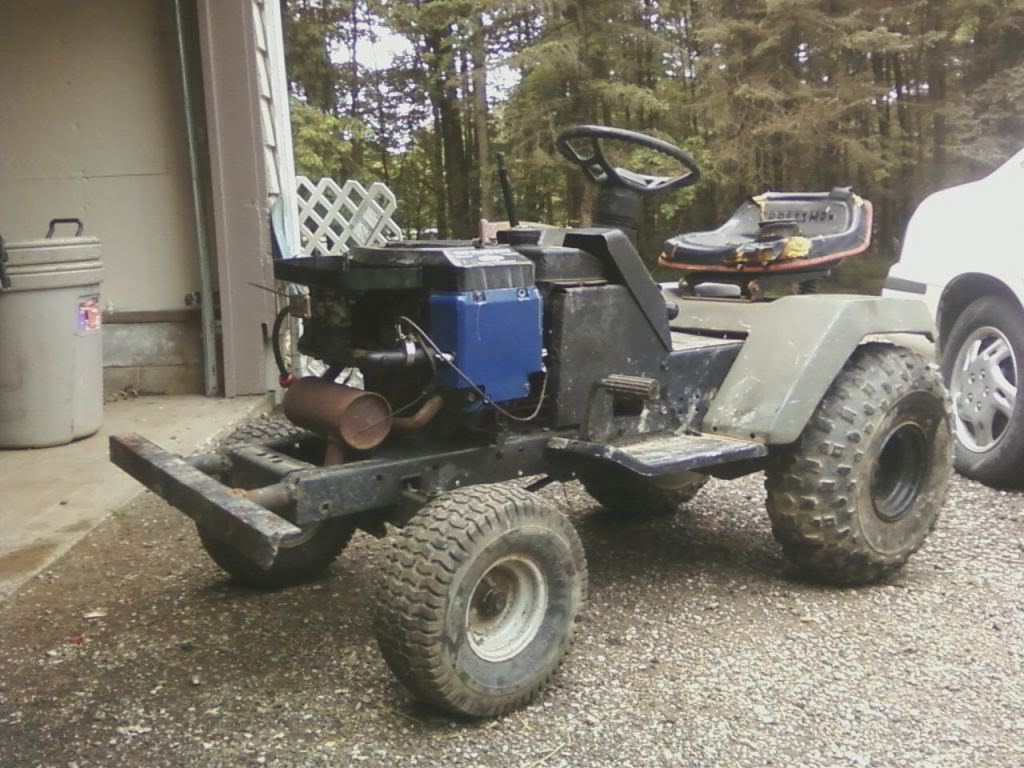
x: 334, y: 217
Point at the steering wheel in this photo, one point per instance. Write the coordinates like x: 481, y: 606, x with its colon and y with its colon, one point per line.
x: 601, y: 172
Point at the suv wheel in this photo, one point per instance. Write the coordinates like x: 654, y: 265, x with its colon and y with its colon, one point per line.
x: 982, y: 361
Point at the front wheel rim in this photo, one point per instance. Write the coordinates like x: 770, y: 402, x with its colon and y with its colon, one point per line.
x: 984, y: 389
x: 507, y: 608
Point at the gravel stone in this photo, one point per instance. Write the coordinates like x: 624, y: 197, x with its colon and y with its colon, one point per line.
x: 700, y: 647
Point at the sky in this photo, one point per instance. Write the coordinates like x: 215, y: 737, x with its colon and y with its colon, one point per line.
x: 379, y: 54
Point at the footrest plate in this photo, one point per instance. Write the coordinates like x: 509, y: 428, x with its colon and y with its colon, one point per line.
x: 664, y: 454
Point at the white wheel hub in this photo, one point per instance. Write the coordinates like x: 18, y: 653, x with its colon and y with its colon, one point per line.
x: 507, y: 608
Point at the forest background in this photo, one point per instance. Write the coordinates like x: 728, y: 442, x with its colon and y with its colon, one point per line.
x: 897, y: 99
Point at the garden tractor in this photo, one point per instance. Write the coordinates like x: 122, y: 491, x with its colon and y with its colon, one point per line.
x: 489, y: 369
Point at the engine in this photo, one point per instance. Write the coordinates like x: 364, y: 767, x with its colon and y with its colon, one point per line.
x: 466, y: 320
x: 524, y: 329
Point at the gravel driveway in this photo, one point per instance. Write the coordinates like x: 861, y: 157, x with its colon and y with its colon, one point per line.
x: 699, y: 649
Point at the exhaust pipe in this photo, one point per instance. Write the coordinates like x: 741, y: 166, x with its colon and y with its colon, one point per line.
x: 421, y: 418
x: 347, y: 417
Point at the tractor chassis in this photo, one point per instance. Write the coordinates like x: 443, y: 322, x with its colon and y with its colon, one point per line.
x: 257, y: 494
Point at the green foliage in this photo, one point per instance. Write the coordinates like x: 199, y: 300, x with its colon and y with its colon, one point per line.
x: 323, y: 143
x: 894, y: 98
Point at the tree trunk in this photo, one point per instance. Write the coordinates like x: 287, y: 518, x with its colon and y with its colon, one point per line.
x: 937, y: 55
x: 444, y: 96
x: 581, y: 108
x: 437, y: 176
x: 353, y: 86
x: 469, y: 135
x: 483, y: 139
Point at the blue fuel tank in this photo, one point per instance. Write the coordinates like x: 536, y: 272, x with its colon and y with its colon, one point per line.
x: 494, y: 335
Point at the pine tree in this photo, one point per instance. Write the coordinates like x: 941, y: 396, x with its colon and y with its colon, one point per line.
x: 894, y: 98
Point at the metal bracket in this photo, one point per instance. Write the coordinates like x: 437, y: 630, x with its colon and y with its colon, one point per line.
x: 5, y: 279
x: 299, y: 305
x: 599, y: 421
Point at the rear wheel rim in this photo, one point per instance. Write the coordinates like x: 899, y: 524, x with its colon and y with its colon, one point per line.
x: 900, y: 473
x: 984, y: 389
x: 507, y: 608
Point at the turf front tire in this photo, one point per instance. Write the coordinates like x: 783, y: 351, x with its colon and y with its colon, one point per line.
x: 619, y: 490
x: 266, y: 428
x: 861, y: 489
x: 982, y: 361
x: 479, y: 598
x: 298, y: 560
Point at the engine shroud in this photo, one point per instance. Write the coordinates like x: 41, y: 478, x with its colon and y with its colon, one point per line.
x: 479, y: 304
x: 495, y: 336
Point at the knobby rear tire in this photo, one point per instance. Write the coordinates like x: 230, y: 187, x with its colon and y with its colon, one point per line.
x: 862, y: 487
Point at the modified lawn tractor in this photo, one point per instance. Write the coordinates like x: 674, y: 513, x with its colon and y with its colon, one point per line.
x: 554, y: 355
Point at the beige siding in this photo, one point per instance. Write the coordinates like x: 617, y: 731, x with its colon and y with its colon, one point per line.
x: 266, y: 101
x: 275, y: 118
x: 91, y: 125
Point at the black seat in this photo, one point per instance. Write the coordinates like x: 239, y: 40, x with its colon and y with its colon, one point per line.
x: 778, y: 231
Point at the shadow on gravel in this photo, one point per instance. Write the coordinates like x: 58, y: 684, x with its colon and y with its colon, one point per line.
x: 675, y: 549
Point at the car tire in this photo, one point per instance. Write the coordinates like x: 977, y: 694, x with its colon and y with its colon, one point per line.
x: 981, y: 362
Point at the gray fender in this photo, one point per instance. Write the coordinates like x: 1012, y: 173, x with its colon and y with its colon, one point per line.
x: 795, y: 348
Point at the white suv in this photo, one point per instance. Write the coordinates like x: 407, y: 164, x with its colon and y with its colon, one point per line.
x: 964, y: 255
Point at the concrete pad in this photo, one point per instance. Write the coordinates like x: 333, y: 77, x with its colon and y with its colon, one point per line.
x: 52, y: 497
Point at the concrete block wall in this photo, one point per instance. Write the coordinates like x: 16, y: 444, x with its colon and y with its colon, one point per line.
x: 152, y: 358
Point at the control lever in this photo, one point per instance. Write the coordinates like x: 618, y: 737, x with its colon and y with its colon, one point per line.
x: 506, y: 191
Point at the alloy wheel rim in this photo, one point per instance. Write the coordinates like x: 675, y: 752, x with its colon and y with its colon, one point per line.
x: 984, y: 389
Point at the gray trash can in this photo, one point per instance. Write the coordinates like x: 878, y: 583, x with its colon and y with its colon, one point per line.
x: 51, y: 353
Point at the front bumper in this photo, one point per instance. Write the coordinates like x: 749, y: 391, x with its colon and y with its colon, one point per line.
x: 273, y: 495
x: 248, y: 526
